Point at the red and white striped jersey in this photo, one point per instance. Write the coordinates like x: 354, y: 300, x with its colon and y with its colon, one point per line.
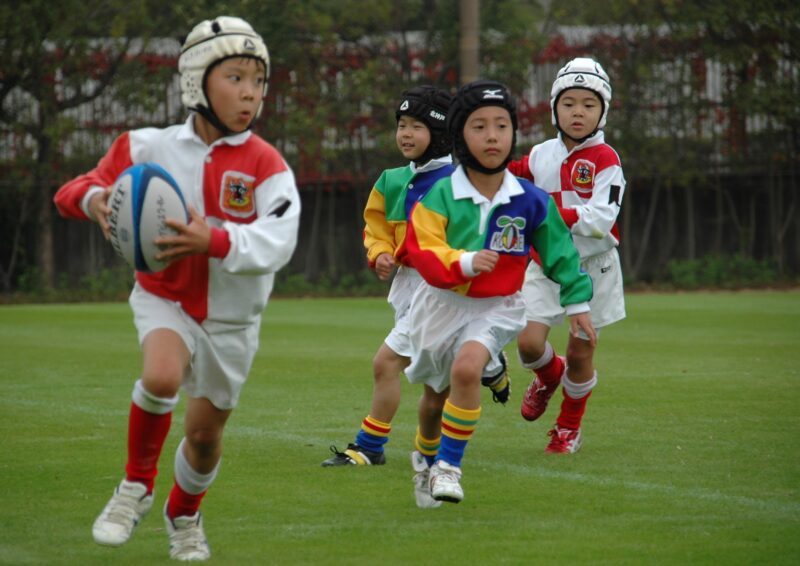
x: 247, y: 194
x: 586, y: 183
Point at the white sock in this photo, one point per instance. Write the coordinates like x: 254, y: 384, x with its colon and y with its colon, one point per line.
x: 190, y: 480
x: 146, y: 401
x: 549, y: 352
x: 578, y: 390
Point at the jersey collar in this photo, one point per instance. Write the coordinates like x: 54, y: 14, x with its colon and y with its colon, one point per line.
x: 463, y: 189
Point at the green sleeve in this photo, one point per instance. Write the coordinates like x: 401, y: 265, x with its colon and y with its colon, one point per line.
x: 560, y: 260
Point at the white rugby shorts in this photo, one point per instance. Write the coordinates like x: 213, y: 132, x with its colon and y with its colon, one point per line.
x: 221, y: 355
x: 442, y: 321
x: 542, y: 300
x: 404, y: 284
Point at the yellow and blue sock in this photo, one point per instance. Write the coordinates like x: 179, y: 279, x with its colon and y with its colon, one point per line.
x: 428, y: 447
x: 457, y: 427
x: 373, y: 434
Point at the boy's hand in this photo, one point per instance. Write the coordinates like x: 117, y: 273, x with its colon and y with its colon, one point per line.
x: 193, y: 238
x: 99, y: 210
x: 384, y: 265
x: 484, y: 261
x: 584, y: 322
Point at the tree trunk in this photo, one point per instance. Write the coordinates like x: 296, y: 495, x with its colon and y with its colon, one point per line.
x: 719, y: 216
x: 691, y: 231
x: 469, y: 40
x: 45, y: 258
x: 312, y: 254
x: 644, y: 238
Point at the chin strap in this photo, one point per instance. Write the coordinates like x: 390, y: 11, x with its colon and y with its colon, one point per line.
x: 576, y: 140
x: 469, y: 160
x: 214, y: 120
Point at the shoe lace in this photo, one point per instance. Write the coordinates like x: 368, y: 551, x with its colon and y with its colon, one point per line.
x: 538, y: 394
x: 560, y: 437
x: 189, y: 538
x: 500, y: 396
x: 122, y: 510
x: 446, y: 475
x: 421, y: 479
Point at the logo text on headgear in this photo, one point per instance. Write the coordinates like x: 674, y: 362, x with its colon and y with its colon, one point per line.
x: 492, y: 94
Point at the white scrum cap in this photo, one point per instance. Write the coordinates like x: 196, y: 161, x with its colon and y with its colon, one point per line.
x: 210, y: 42
x: 582, y: 72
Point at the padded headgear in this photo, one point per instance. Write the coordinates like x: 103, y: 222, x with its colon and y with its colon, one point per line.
x: 207, y: 44
x: 430, y: 105
x: 469, y: 98
x: 585, y: 73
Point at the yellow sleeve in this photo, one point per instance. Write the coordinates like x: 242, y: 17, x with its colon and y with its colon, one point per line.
x: 379, y: 234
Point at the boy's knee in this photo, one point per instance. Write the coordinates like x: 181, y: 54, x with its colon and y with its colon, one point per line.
x: 203, y: 441
x: 579, y: 355
x: 530, y: 349
x: 387, y: 364
x: 464, y: 374
x: 163, y: 381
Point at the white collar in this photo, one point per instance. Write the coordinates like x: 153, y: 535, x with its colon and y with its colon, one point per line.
x: 462, y: 188
x: 431, y: 165
x: 597, y: 139
x: 187, y: 132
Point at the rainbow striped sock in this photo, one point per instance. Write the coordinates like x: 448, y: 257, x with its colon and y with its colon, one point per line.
x: 428, y: 447
x: 457, y: 427
x: 373, y: 434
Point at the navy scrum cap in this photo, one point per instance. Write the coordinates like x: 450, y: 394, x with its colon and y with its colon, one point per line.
x: 468, y: 99
x: 426, y: 103
x: 472, y: 96
x: 431, y: 106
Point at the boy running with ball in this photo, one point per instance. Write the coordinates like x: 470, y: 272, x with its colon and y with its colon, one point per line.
x: 198, y: 320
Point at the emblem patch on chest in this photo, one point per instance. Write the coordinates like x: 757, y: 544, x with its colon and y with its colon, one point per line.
x: 510, y: 237
x: 583, y: 175
x: 237, y: 197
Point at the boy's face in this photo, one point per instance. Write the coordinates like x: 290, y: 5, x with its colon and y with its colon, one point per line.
x: 413, y: 137
x: 578, y: 111
x: 234, y: 88
x: 488, y: 133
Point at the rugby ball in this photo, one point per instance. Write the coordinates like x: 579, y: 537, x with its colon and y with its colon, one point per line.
x: 141, y: 200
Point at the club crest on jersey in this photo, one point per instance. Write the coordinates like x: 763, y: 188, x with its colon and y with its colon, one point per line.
x: 583, y: 175
x: 509, y: 238
x: 237, y: 195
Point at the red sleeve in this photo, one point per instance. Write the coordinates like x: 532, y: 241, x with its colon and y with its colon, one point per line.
x: 570, y: 216
x: 521, y: 168
x: 220, y: 243
x: 115, y: 161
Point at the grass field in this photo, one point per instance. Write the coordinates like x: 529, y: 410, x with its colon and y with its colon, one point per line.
x: 691, y: 451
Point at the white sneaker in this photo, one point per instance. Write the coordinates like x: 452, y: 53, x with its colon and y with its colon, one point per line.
x: 129, y: 504
x: 187, y: 541
x: 422, y: 490
x: 444, y: 482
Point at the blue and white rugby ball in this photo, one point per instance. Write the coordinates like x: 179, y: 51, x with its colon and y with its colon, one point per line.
x: 142, y: 198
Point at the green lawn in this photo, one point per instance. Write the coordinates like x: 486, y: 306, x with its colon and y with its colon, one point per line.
x: 690, y: 453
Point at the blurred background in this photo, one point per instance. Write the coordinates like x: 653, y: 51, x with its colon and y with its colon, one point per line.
x: 705, y: 117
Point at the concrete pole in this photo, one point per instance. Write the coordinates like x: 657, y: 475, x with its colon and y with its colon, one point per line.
x: 469, y: 40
